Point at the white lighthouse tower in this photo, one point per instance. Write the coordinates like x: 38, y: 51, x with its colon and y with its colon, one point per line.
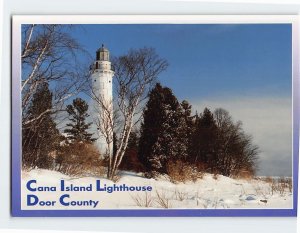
x: 101, y: 77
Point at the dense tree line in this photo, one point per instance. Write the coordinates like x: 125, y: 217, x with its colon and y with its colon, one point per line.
x: 169, y: 134
x: 211, y: 141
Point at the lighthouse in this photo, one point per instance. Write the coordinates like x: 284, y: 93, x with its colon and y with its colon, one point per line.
x: 101, y: 78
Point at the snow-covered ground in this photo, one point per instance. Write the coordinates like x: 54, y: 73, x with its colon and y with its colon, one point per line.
x: 207, y: 192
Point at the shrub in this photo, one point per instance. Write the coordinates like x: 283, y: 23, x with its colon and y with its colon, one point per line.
x: 268, y: 179
x: 79, y: 158
x: 244, y: 174
x: 180, y: 195
x: 215, y: 176
x: 289, y: 182
x: 180, y: 171
x: 130, y: 161
x: 162, y: 200
x: 143, y: 200
x: 280, y: 185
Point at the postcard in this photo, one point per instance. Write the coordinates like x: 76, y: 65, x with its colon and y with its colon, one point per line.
x: 155, y: 116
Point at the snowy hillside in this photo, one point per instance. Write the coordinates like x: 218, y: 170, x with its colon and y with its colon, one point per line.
x: 209, y: 192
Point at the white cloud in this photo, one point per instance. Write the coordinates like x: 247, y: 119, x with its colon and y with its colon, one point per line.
x: 269, y: 121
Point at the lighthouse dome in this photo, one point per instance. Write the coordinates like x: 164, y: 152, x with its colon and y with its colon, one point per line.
x: 103, y: 49
x: 102, y: 54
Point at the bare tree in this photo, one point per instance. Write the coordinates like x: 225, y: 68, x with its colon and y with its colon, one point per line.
x: 49, y: 55
x: 236, y: 151
x: 135, y: 74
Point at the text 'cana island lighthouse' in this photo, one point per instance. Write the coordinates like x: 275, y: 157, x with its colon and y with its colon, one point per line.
x: 101, y: 78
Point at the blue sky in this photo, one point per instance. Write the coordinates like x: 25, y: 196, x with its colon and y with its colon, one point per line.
x: 207, y: 60
x: 246, y: 69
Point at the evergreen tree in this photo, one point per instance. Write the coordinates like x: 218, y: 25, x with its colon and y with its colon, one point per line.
x: 78, y: 128
x: 204, y: 141
x: 171, y: 144
x: 189, y: 122
x: 163, y: 131
x: 130, y: 160
x: 40, y: 138
x: 187, y: 113
x: 150, y: 127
